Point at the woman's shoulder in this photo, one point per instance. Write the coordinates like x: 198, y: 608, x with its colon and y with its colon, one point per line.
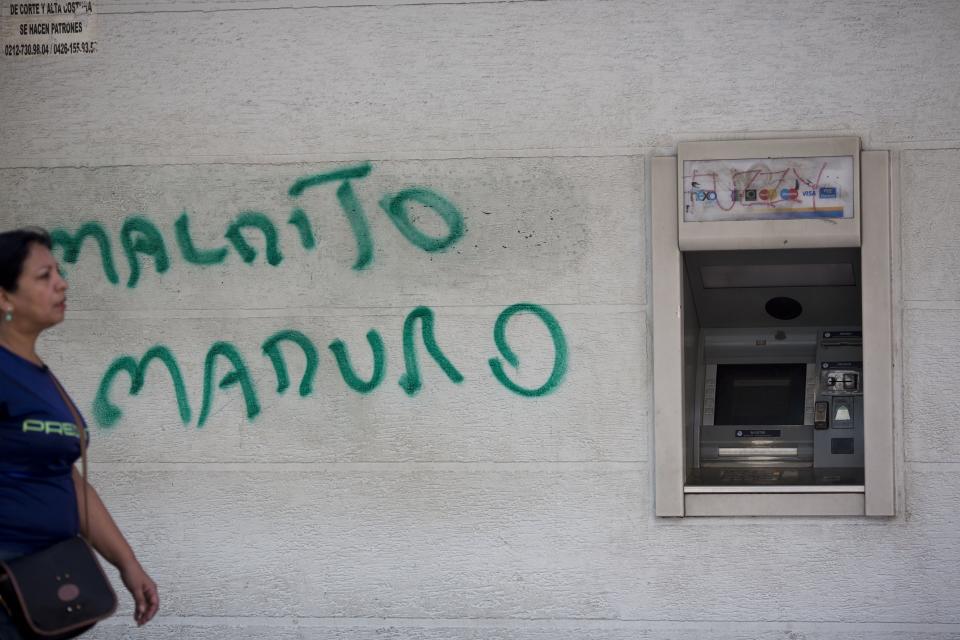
x: 20, y: 385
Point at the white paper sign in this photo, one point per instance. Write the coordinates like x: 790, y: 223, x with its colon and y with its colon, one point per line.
x: 47, y: 29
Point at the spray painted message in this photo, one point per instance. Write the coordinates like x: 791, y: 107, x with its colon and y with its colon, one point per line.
x: 144, y: 245
x: 226, y: 367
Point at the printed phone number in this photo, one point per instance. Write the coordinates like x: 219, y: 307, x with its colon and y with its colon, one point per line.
x: 56, y: 49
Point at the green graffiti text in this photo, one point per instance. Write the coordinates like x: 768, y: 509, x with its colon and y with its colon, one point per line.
x: 189, y: 251
x: 271, y: 347
x: 353, y: 381
x: 108, y: 414
x: 71, y: 244
x: 396, y: 208
x: 140, y: 237
x: 559, y: 350
x: 410, y: 381
x: 239, y: 375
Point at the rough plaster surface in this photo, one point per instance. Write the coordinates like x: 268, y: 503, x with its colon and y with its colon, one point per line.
x: 480, y: 78
x: 466, y: 511
x: 930, y: 224
x: 931, y: 353
x: 284, y: 629
x: 571, y: 541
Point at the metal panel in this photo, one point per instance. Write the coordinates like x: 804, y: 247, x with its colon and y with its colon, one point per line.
x: 877, y: 334
x: 823, y: 304
x: 668, y: 382
x: 775, y: 504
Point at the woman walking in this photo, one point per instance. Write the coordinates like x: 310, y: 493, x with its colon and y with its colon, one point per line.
x: 42, y: 498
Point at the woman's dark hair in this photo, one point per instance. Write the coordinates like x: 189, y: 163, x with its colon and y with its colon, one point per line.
x: 14, y: 247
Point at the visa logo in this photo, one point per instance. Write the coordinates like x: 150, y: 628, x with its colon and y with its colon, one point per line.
x: 829, y: 193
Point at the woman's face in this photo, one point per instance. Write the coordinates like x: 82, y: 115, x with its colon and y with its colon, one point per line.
x: 40, y: 300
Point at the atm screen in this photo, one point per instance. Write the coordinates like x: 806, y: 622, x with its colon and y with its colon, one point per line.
x: 760, y: 394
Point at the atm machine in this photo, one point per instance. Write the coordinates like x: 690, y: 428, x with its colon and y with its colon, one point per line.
x: 782, y: 331
x: 779, y: 375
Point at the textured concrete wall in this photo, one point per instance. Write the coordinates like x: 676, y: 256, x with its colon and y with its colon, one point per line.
x: 466, y: 510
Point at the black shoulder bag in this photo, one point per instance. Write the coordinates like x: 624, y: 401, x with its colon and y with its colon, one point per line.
x: 61, y: 591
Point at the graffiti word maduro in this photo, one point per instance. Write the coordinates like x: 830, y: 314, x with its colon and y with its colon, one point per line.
x: 107, y: 413
x: 142, y: 240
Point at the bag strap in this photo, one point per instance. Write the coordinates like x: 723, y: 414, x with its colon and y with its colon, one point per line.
x: 81, y: 426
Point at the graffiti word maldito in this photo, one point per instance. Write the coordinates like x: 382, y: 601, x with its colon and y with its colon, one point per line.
x: 143, y: 242
x: 225, y: 360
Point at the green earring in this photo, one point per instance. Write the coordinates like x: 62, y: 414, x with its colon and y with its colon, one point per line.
x: 8, y: 316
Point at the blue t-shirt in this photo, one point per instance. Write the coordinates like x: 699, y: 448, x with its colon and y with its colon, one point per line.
x: 39, y: 443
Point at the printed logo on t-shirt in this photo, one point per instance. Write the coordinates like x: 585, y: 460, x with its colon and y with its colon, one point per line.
x: 51, y: 427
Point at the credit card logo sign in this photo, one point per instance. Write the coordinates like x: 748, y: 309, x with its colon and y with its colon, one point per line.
x: 750, y: 195
x: 829, y: 193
